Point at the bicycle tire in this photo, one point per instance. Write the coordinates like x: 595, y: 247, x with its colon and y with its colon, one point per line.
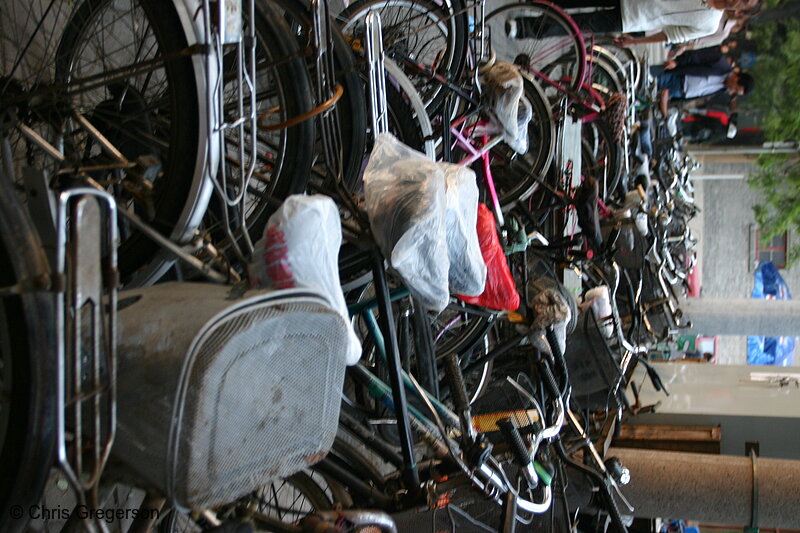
x: 165, y: 121
x: 604, y: 76
x: 605, y: 162
x: 457, y: 330
x: 351, y: 108
x: 27, y: 366
x: 631, y: 64
x: 277, y: 506
x: 284, y: 165
x: 430, y: 33
x: 517, y: 176
x: 538, y: 35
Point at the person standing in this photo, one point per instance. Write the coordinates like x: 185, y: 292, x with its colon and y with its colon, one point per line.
x: 674, y: 21
x: 697, y: 74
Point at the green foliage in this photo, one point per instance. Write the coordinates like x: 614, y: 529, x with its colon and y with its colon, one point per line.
x: 777, y: 74
x: 777, y: 93
x: 778, y: 180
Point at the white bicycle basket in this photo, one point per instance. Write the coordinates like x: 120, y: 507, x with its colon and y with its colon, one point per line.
x: 219, y: 394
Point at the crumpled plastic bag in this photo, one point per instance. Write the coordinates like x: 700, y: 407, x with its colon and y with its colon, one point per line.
x: 598, y: 300
x: 551, y: 306
x: 300, y: 248
x: 501, y: 291
x: 405, y: 202
x: 508, y: 109
x: 467, y: 268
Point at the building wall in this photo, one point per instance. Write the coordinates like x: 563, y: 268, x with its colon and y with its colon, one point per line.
x: 741, y: 399
x: 725, y: 228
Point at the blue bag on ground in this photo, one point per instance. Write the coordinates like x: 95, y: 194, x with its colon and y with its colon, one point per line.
x: 778, y: 351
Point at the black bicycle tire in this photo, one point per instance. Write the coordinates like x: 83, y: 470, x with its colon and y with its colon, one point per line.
x: 351, y: 107
x: 526, y: 171
x: 614, y: 154
x: 344, y: 470
x: 293, y: 74
x: 310, y: 490
x: 300, y: 481
x: 456, y: 49
x: 293, y: 86
x: 27, y: 450
x: 467, y: 339
x: 352, y: 111
x: 180, y: 167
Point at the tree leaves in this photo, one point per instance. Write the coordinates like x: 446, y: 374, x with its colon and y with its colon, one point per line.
x: 777, y: 93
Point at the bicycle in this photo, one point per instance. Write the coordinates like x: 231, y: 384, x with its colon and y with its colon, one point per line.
x: 61, y: 75
x: 549, y: 46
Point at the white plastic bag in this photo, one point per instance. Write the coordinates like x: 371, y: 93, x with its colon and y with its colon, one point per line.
x: 599, y: 301
x: 510, y: 111
x: 467, y: 268
x: 405, y: 202
x: 300, y: 248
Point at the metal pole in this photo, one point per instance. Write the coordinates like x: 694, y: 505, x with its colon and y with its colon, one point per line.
x: 766, y: 148
x: 377, y: 76
x: 721, y: 316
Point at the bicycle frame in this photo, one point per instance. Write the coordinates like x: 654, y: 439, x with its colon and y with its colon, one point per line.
x: 485, y: 476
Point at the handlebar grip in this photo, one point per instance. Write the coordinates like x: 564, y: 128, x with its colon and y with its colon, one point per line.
x: 617, y: 525
x: 456, y: 380
x: 515, y: 442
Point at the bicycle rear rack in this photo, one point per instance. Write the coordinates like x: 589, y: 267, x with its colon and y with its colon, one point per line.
x: 86, y: 282
x: 377, y: 79
x: 234, y: 122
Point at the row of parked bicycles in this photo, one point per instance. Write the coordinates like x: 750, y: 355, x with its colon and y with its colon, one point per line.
x: 306, y: 267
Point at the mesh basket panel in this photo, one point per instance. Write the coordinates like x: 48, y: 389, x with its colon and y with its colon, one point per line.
x: 257, y: 378
x: 592, y: 370
x: 262, y: 401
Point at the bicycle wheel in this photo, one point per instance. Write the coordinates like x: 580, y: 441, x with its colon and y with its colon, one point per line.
x: 605, y: 77
x: 286, y: 501
x: 277, y: 506
x: 538, y: 37
x: 351, y: 109
x: 122, y: 65
x: 429, y: 33
x: 283, y: 164
x: 603, y: 158
x: 625, y: 62
x: 516, y: 176
x: 459, y: 327
x: 27, y: 366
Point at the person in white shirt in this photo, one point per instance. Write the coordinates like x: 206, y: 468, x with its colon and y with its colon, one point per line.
x: 674, y: 21
x: 732, y: 22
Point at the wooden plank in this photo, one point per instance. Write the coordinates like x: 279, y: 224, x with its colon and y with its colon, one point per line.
x: 672, y: 438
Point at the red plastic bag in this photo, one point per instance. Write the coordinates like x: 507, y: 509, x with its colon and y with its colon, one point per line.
x: 501, y: 291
